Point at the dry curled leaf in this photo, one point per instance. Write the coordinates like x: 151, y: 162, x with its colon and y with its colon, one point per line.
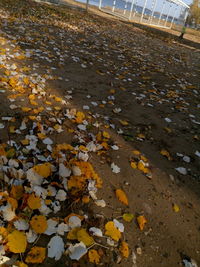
x: 166, y: 154
x: 124, y: 249
x: 39, y: 224
x: 36, y: 255
x: 17, y: 242
x: 93, y: 256
x: 121, y: 195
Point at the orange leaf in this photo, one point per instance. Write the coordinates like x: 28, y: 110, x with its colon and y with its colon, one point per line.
x: 36, y: 255
x: 93, y: 256
x: 124, y: 249
x: 141, y: 222
x: 34, y: 202
x: 17, y: 191
x: 17, y: 242
x: 121, y: 195
x: 39, y: 224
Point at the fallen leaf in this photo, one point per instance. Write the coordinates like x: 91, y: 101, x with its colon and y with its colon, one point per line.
x: 121, y: 195
x: 112, y: 231
x: 141, y: 220
x: 55, y: 247
x: 128, y: 217
x: 84, y: 237
x: 166, y: 154
x: 34, y: 202
x: 77, y: 251
x: 36, y: 255
x: 175, y: 208
x: 93, y: 256
x: 39, y: 224
x: 43, y: 170
x: 124, y: 249
x: 17, y: 242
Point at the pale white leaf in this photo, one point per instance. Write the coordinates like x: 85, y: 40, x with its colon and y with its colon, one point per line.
x: 77, y: 251
x: 96, y: 231
x: 21, y: 225
x: 51, y: 227
x: 115, y: 168
x: 55, y: 247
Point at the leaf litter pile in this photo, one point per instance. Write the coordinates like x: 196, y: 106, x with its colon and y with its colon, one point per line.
x: 47, y: 179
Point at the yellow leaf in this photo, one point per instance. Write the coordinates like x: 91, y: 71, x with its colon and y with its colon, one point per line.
x: 106, y: 134
x: 142, y: 136
x: 58, y: 99
x: 64, y: 147
x: 43, y: 170
x: 31, y: 97
x: 124, y: 249
x: 3, y: 232
x: 21, y: 264
x: 17, y: 242
x: 41, y: 136
x: 93, y: 256
x: 36, y: 255
x: 85, y: 199
x: 136, y: 152
x: 176, y: 208
x: 57, y: 108
x: 141, y: 221
x: 124, y: 123
x: 166, y: 154
x: 34, y: 202
x: 80, y: 116
x: 112, y: 91
x: 13, y: 81
x: 39, y: 224
x: 121, y: 195
x: 13, y: 202
x: 83, y: 236
x: 141, y: 167
x: 112, y: 231
x: 133, y: 164
x: 168, y: 130
x: 48, y: 103
x: 12, y: 129
x: 72, y: 234
x: 24, y: 142
x: 26, y: 109
x: 128, y: 217
x: 34, y: 103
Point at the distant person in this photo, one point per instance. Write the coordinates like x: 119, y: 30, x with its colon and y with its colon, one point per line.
x: 183, y: 31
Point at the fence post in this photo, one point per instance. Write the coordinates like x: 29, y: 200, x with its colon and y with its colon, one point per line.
x: 153, y: 11
x: 125, y: 7
x: 161, y: 13
x: 131, y: 10
x: 100, y: 3
x: 114, y: 3
x: 143, y: 10
x: 167, y: 16
x: 87, y: 5
x: 173, y: 17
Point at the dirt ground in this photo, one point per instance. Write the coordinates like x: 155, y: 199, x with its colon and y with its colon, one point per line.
x: 143, y: 90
